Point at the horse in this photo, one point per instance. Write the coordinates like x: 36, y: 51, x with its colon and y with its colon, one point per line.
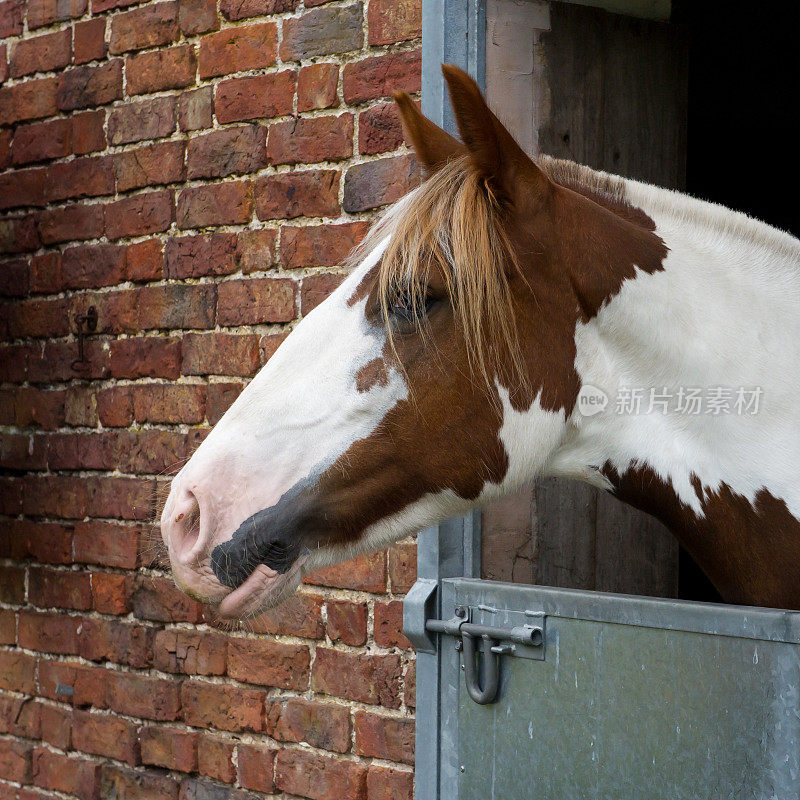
x: 495, y: 326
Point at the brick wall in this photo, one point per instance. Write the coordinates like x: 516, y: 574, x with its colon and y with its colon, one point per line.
x: 196, y: 170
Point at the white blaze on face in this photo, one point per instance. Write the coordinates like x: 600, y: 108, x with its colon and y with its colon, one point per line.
x: 300, y: 413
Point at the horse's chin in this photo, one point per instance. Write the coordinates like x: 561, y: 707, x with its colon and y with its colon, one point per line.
x: 263, y: 590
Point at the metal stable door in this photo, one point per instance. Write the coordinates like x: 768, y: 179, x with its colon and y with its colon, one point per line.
x: 608, y: 697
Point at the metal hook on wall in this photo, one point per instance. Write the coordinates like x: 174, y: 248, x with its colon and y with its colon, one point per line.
x: 86, y: 324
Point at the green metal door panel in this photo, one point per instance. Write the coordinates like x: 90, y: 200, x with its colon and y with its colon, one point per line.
x: 635, y: 698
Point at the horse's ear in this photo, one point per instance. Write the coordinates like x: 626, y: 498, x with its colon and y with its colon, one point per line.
x: 492, y: 149
x: 433, y: 146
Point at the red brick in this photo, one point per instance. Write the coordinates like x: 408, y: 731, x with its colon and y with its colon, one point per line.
x: 310, y: 775
x: 196, y: 109
x: 228, y: 708
x: 323, y: 31
x: 382, y: 75
x: 228, y: 203
x: 195, y: 256
x: 45, y: 542
x: 190, y: 652
x: 177, y: 306
x: 225, y: 152
x: 105, y: 736
x: 317, y: 87
x: 89, y: 40
x: 403, y: 566
x: 238, y: 49
x: 384, y: 783
x: 80, y: 407
x: 82, y: 177
x: 18, y: 235
x: 310, y: 193
x: 8, y: 626
x: 220, y: 396
x: 322, y: 725
x: 117, y: 641
x: 11, y: 16
x: 45, y: 12
x: 254, y: 301
x: 170, y: 404
x: 45, y: 274
x: 389, y: 625
x: 379, y: 129
x: 78, y: 776
x: 392, y: 21
x: 316, y: 288
x: 6, y: 134
x: 40, y: 141
x: 98, y: 6
x: 169, y: 748
x: 110, y: 593
x: 71, y: 223
x: 255, y: 767
x: 220, y: 354
x: 242, y: 9
x: 56, y: 726
x: 20, y: 717
x: 309, y: 140
x: 160, y: 600
x: 28, y: 100
x: 148, y: 26
x: 361, y: 677
x: 215, y: 758
x: 45, y: 53
x: 39, y: 317
x: 268, y: 663
x: 48, y: 633
x: 147, y: 119
x: 17, y: 671
x: 170, y: 68
x: 141, y: 214
x: 15, y: 760
x: 12, y: 589
x: 93, y: 266
x: 299, y: 615
x: 410, y: 685
x: 379, y: 736
x: 134, y: 785
x: 256, y: 250
x: 24, y: 187
x: 84, y: 87
x: 88, y: 134
x: 151, y: 165
x: 198, y: 16
x: 144, y: 261
x: 347, y: 622
x: 260, y: 96
x: 143, y: 696
x: 49, y: 588
x: 320, y: 245
x: 379, y: 182
x: 115, y: 406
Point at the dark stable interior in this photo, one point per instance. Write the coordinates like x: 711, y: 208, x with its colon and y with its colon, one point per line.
x: 743, y: 124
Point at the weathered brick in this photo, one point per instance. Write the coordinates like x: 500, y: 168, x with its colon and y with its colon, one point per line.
x: 88, y: 134
x: 379, y: 129
x: 15, y: 760
x: 380, y: 76
x: 5, y: 134
x: 148, y: 26
x: 238, y: 49
x: 48, y: 633
x: 117, y: 641
x: 150, y: 165
x: 268, y: 663
x: 379, y: 182
x: 105, y: 736
x: 12, y: 13
x: 171, y: 404
x: 227, y: 708
x: 160, y: 600
x: 347, y: 622
x: 13, y: 587
x: 84, y: 87
x: 256, y: 250
x: 145, y: 357
x: 17, y: 671
x: 8, y: 626
x: 225, y: 152
x: 140, y: 214
x: 410, y: 685
x: 45, y: 542
x: 169, y: 748
x: 196, y: 109
x: 300, y: 615
x: 260, y: 96
x: 310, y: 193
x: 92, y: 266
x: 319, y: 245
x: 143, y: 696
x: 194, y: 256
x: 82, y: 177
x: 403, y: 566
x: 175, y: 307
x: 146, y: 119
x: 309, y: 140
x: 319, y: 778
x: 71, y: 223
x: 170, y: 68
x: 197, y: 16
x: 117, y: 782
x: 392, y: 21
x: 361, y: 677
x: 45, y: 274
x: 255, y: 765
x: 60, y: 589
x: 322, y: 725
x: 40, y: 141
x: 106, y: 543
x: 110, y: 593
x: 144, y: 260
x: 316, y: 288
x: 216, y: 204
x: 44, y: 53
x: 323, y: 31
x: 220, y: 396
x: 385, y: 783
x: 89, y: 40
x: 250, y: 302
x: 215, y: 758
x: 78, y: 776
x: 317, y: 87
x: 380, y: 736
x: 242, y: 9
x: 190, y: 652
x: 45, y: 12
x: 19, y: 235
x: 389, y: 625
x: 29, y: 100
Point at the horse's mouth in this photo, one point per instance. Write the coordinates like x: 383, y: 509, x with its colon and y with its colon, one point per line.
x: 263, y: 589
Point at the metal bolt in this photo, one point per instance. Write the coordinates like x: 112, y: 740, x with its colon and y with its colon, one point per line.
x: 463, y: 768
x: 459, y: 645
x: 461, y: 611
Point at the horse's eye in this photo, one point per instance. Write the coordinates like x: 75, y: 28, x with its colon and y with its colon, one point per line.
x: 403, y: 307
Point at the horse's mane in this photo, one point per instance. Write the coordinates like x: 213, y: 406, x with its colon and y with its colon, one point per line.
x: 453, y: 222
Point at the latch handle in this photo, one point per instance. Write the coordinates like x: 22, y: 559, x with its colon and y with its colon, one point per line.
x: 487, y: 693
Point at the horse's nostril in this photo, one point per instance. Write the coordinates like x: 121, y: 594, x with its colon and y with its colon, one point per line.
x: 185, y: 527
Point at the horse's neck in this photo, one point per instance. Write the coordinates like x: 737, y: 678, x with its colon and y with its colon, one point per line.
x: 722, y: 316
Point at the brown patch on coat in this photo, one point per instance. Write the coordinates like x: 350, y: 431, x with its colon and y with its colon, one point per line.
x: 749, y: 551
x: 372, y: 374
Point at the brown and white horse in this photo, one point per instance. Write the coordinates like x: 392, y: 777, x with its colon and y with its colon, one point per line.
x: 496, y: 323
